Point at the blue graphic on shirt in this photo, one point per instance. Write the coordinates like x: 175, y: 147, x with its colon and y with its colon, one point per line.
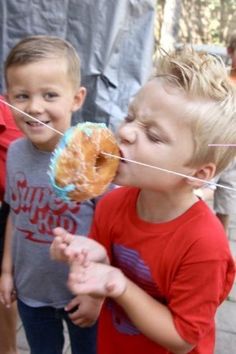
x: 130, y: 262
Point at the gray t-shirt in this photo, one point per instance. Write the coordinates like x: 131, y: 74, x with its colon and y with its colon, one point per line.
x: 35, y: 211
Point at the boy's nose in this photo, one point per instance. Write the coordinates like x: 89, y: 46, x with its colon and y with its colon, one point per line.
x: 127, y: 133
x: 34, y: 106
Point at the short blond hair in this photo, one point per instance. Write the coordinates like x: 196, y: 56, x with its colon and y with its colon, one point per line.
x: 35, y: 48
x: 210, y: 108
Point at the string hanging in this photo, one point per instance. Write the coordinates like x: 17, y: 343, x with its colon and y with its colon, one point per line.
x: 128, y: 160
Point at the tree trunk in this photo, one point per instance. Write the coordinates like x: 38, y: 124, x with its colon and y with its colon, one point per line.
x: 169, y: 30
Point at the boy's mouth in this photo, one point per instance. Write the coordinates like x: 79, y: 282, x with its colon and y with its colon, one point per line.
x: 36, y: 124
x: 122, y: 157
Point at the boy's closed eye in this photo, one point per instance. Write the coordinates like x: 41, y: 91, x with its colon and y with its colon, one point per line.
x: 153, y: 135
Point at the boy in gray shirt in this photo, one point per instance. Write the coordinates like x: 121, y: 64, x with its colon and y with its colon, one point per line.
x: 43, y: 80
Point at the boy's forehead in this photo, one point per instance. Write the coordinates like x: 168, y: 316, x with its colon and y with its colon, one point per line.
x: 157, y: 95
x: 39, y: 67
x: 50, y: 60
x: 145, y: 94
x: 35, y: 76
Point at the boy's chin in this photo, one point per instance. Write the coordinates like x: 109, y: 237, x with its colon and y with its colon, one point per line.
x: 47, y: 145
x: 119, y: 181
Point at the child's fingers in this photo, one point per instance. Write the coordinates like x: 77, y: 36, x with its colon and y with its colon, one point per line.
x: 63, y: 235
x: 68, y: 238
x: 86, y: 261
x: 6, y: 299
x: 55, y: 246
x: 81, y: 254
x: 76, y: 262
x: 58, y: 231
x: 69, y: 252
x: 56, y: 242
x: 79, y: 260
x: 73, y: 305
x: 74, y: 254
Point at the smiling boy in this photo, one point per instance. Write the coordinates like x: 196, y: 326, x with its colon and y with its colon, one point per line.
x: 43, y: 80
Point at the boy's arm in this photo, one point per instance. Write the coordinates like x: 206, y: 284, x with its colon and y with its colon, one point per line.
x: 151, y: 317
x: 7, y: 287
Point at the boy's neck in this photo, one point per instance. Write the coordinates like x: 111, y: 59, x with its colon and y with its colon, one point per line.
x: 47, y: 147
x: 159, y: 208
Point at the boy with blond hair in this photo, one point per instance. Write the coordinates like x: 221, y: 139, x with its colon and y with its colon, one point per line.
x: 42, y: 76
x: 157, y: 253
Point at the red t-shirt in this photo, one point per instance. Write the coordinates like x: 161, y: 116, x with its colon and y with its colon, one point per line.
x: 8, y: 133
x: 184, y: 263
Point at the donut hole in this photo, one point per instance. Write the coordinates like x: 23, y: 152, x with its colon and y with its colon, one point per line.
x: 100, y: 161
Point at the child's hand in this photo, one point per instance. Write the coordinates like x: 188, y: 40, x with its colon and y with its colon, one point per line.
x: 66, y: 247
x: 60, y: 243
x: 96, y: 279
x: 7, y: 291
x: 84, y: 310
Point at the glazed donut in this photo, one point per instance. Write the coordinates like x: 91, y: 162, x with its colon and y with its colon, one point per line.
x: 79, y: 170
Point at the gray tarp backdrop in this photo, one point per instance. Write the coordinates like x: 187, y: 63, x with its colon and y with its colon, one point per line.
x: 114, y: 39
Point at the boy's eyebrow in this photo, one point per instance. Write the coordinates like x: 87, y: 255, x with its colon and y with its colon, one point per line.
x: 145, y: 120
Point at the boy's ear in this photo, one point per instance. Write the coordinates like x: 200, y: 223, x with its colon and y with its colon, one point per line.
x: 205, y: 172
x: 79, y: 98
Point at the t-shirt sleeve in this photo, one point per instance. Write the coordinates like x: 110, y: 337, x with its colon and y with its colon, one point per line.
x: 2, y: 122
x: 8, y: 129
x: 195, y: 294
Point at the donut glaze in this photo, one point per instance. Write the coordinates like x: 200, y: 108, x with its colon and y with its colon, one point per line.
x: 79, y: 170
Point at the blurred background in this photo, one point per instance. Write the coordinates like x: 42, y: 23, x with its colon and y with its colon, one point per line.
x: 202, y: 23
x: 116, y: 40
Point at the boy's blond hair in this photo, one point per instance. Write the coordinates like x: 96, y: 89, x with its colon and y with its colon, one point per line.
x: 35, y: 48
x: 210, y: 108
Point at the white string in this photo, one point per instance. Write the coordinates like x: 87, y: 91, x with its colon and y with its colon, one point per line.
x: 29, y: 116
x: 224, y: 145
x: 172, y: 172
x: 124, y: 159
